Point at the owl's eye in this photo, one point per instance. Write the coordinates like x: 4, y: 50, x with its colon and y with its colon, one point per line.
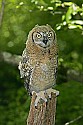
x: 38, y: 36
x: 50, y: 34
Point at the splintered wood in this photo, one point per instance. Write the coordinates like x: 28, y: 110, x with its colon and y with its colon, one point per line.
x: 44, y: 113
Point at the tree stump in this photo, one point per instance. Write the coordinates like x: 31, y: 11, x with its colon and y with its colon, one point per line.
x: 44, y: 113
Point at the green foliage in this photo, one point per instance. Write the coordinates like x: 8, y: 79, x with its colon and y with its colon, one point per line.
x: 65, y: 17
x: 71, y: 13
x: 19, y: 17
x: 69, y: 105
x: 14, y: 101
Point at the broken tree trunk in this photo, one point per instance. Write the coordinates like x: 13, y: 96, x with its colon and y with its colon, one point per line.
x: 44, y: 113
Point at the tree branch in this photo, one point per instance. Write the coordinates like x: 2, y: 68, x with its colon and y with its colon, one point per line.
x: 2, y: 11
x: 74, y: 120
x: 71, y: 74
x: 9, y: 58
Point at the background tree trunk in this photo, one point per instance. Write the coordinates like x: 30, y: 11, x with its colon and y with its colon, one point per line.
x: 44, y: 113
x: 2, y: 11
x: 70, y: 74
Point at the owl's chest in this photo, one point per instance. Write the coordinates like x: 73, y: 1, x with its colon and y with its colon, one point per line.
x: 43, y: 62
x: 43, y: 74
x: 43, y: 70
x: 45, y: 67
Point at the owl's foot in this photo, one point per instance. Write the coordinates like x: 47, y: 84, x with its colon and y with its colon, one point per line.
x: 40, y: 95
x: 49, y: 91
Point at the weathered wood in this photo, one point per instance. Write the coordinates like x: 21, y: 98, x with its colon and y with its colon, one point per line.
x: 44, y: 113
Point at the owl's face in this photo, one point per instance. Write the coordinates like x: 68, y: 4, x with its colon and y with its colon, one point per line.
x: 43, y: 36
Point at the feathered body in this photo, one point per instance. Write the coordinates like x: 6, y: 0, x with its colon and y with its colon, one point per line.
x: 38, y: 66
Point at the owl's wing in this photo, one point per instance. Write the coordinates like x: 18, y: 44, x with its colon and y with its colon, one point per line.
x: 25, y: 68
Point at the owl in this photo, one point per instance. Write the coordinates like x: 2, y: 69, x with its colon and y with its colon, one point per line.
x: 39, y: 62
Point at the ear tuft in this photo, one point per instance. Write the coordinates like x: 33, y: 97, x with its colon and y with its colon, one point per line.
x: 48, y: 25
x: 36, y: 25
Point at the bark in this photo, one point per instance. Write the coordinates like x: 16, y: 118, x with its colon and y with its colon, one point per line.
x: 44, y: 113
x: 2, y: 11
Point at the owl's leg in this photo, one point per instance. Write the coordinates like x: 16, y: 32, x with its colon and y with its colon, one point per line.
x: 40, y: 95
x: 49, y: 91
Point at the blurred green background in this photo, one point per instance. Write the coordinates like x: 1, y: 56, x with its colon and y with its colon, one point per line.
x: 17, y: 18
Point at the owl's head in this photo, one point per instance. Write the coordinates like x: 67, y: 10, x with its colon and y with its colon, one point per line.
x: 43, y: 36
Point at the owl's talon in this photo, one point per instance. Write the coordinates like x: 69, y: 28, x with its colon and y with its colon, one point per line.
x: 49, y: 91
x: 40, y: 95
x: 36, y: 101
x: 49, y: 96
x: 33, y: 92
x: 57, y: 93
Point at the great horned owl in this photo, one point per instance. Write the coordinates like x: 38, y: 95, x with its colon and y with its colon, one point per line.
x: 38, y: 66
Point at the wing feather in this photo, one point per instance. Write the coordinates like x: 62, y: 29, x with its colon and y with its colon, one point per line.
x: 25, y: 68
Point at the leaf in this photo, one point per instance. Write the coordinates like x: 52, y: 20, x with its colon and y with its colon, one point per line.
x: 55, y: 1
x: 73, y: 26
x: 68, y: 14
x: 68, y: 3
x: 58, y: 27
x: 50, y: 8
x: 80, y: 22
x: 63, y: 17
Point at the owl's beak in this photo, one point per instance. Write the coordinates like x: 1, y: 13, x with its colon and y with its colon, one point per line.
x: 45, y: 40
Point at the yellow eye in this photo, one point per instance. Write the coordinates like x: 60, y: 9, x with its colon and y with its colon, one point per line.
x: 50, y: 34
x: 38, y: 36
